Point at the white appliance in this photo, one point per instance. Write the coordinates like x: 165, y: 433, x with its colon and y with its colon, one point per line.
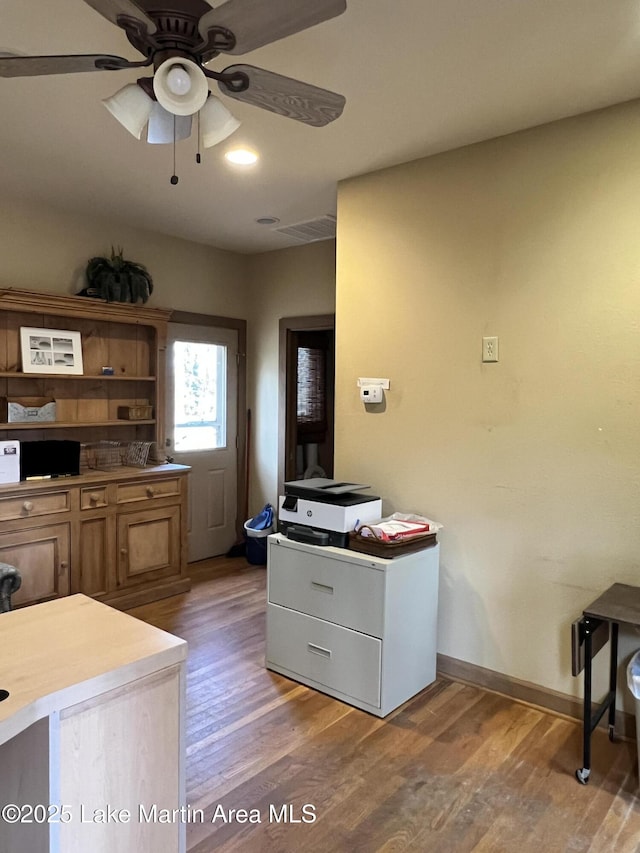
x: 323, y: 511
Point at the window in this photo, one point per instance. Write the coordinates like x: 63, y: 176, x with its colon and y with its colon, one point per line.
x: 200, y: 372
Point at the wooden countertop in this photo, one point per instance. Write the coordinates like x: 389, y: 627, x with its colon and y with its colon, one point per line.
x: 56, y: 654
x: 90, y: 476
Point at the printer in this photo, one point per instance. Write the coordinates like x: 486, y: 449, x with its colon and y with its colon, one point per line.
x: 322, y: 511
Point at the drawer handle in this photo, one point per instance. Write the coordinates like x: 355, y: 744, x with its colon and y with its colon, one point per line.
x: 322, y: 587
x: 27, y: 506
x: 123, y: 551
x: 318, y: 650
x: 150, y: 491
x: 94, y: 497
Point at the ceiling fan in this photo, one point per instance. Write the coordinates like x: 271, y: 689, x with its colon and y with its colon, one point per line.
x: 178, y: 38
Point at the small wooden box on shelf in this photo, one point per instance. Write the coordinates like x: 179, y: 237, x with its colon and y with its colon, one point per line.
x: 135, y: 413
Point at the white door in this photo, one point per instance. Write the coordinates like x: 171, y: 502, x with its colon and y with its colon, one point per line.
x: 202, y: 381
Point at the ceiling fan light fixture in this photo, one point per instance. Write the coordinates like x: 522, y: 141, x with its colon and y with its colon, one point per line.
x: 131, y: 106
x: 216, y: 122
x: 165, y: 127
x: 180, y: 86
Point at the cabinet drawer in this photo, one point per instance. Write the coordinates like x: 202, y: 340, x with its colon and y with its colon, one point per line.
x: 149, y: 490
x: 346, y: 593
x: 93, y: 498
x: 32, y: 506
x: 332, y: 656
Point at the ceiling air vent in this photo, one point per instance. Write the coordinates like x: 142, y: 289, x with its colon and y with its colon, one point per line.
x: 323, y: 228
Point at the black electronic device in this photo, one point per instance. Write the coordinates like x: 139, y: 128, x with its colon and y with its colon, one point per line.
x: 43, y: 460
x: 299, y: 533
x: 327, y: 491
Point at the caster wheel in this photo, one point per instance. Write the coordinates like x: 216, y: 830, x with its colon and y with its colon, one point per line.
x: 582, y: 775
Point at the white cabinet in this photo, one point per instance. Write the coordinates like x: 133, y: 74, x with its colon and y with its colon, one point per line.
x: 360, y: 628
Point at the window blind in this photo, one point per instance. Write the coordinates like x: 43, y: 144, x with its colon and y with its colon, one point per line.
x: 311, y: 389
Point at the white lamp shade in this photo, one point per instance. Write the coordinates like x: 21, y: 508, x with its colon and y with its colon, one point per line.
x: 216, y: 122
x: 161, y: 126
x: 131, y: 106
x: 180, y: 86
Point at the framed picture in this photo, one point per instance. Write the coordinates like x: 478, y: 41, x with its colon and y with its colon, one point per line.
x: 50, y: 351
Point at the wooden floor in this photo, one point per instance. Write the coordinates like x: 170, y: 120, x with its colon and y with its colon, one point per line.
x: 455, y: 769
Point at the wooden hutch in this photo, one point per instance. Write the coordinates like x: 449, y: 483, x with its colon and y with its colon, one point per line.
x: 118, y: 534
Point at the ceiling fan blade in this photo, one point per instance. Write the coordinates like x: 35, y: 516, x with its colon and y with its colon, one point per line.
x: 35, y: 66
x: 286, y: 96
x: 111, y: 9
x: 256, y: 22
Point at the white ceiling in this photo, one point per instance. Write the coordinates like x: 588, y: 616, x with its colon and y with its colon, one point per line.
x: 419, y: 76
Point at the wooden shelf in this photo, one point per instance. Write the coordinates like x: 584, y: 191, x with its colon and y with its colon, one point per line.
x: 66, y: 376
x: 71, y: 425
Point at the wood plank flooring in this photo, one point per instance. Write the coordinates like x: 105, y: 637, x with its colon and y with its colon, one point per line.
x: 456, y: 769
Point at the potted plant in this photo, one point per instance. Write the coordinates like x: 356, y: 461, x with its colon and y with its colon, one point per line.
x: 117, y: 280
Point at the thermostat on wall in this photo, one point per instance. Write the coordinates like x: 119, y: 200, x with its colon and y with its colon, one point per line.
x: 371, y: 393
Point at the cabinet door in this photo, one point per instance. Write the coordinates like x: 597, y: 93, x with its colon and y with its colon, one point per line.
x: 41, y: 555
x: 148, y: 545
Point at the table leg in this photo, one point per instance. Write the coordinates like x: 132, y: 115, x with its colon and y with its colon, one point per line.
x: 583, y: 773
x: 613, y: 679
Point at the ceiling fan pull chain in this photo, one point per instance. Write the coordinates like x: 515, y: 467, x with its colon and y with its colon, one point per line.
x: 198, y: 157
x: 174, y: 177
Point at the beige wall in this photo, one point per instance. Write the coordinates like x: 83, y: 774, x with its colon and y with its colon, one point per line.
x: 532, y: 464
x: 293, y: 282
x: 45, y: 249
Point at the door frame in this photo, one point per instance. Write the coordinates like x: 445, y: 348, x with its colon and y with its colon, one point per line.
x: 189, y: 318
x: 312, y: 323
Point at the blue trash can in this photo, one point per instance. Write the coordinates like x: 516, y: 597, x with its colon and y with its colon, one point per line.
x: 256, y: 530
x: 256, y: 544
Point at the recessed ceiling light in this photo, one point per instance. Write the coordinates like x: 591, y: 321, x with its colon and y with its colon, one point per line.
x: 241, y: 156
x: 267, y: 220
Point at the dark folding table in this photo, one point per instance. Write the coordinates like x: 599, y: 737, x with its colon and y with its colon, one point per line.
x: 619, y: 605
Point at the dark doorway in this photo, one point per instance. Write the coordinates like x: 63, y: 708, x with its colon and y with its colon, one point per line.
x: 307, y: 376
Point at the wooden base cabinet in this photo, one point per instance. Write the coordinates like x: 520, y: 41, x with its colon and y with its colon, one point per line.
x: 360, y: 628
x: 92, y: 733
x: 118, y: 536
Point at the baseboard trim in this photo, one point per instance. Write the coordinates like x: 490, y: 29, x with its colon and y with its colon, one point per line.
x: 526, y: 691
